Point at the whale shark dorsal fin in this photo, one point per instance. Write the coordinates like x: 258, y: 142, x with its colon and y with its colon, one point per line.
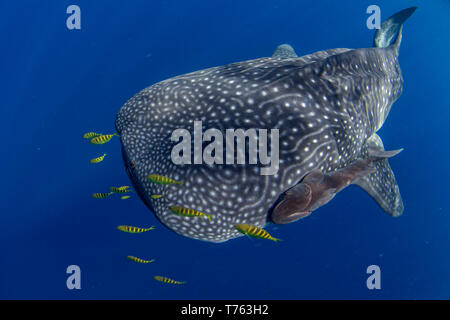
x: 284, y: 51
x: 381, y: 184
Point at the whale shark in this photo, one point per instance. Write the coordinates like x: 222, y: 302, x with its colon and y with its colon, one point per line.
x: 326, y: 106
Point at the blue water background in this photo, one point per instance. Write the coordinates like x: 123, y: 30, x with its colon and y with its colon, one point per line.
x: 56, y: 84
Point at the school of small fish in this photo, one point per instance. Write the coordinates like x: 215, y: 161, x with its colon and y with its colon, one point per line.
x: 247, y: 229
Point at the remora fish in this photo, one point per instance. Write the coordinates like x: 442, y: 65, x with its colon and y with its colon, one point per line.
x: 327, y: 105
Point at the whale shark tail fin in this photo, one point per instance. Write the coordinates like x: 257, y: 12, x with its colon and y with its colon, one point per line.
x: 381, y: 184
x: 391, y: 28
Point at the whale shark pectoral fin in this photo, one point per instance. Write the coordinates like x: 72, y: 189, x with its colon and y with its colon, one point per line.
x: 284, y: 51
x: 381, y: 184
x: 382, y: 187
x: 376, y: 154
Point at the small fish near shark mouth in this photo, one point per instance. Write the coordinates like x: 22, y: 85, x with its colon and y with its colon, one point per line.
x: 327, y: 107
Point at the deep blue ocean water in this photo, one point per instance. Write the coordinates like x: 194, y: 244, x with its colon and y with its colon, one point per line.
x: 56, y: 84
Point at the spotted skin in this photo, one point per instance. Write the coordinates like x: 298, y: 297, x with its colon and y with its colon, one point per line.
x: 326, y: 105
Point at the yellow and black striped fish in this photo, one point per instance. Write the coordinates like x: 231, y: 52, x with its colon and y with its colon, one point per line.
x: 182, y: 211
x: 167, y: 280
x: 119, y: 190
x: 123, y: 187
x: 139, y: 260
x: 255, y: 232
x: 91, y: 135
x: 156, y: 196
x: 101, y: 195
x: 124, y: 197
x: 156, y: 178
x: 104, y: 138
x: 131, y: 229
x: 98, y: 159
